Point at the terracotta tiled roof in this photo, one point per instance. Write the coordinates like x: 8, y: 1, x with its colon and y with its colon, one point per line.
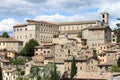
x: 57, y: 61
x: 95, y: 75
x: 76, y: 58
x: 9, y: 71
x: 41, y: 46
x: 98, y: 27
x: 107, y: 51
x: 50, y: 44
x: 77, y: 23
x: 4, y: 60
x: 9, y: 40
x: 36, y: 21
x: 70, y: 32
x: 39, y: 64
x: 19, y: 25
x: 109, y: 63
x: 48, y: 56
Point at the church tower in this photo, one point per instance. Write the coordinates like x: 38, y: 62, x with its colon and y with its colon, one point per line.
x: 104, y: 17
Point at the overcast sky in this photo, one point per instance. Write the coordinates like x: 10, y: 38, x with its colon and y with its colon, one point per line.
x: 17, y: 11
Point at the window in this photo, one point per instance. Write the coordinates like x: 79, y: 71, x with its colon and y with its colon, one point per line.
x: 106, y: 67
x: 41, y: 49
x: 92, y: 44
x: 36, y: 49
x: 26, y: 65
x: 64, y: 28
x: 17, y: 29
x: 113, y: 40
x: 77, y: 27
x: 108, y: 54
x: 36, y: 53
x: 61, y: 46
x: 14, y: 77
x: 100, y: 67
x: 103, y: 16
x: 68, y: 69
x: 80, y: 68
x: 104, y: 47
x: 59, y: 55
x: 92, y: 67
x: 44, y: 51
x: 25, y: 29
x: 30, y: 35
x: 81, y: 62
x: 91, y: 61
x: 44, y: 24
x: 20, y: 29
x: 103, y: 20
x: 3, y: 43
x: 48, y: 52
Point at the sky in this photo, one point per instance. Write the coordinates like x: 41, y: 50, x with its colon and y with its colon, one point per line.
x: 18, y: 11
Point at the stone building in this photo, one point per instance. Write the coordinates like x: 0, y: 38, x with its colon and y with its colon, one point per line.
x: 83, y: 64
x: 88, y: 53
x: 10, y: 74
x: 107, y: 55
x: 113, y: 38
x: 11, y: 44
x: 42, y: 31
x: 97, y: 36
x: 71, y: 29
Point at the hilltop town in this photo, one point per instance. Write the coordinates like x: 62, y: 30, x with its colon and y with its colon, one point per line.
x: 92, y: 43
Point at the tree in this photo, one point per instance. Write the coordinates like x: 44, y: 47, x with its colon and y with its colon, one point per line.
x: 35, y: 72
x: 5, y: 35
x: 115, y: 68
x: 65, y: 76
x: 1, y: 77
x: 79, y: 34
x: 18, y: 70
x: 117, y: 31
x: 28, y: 50
x: 118, y: 62
x: 73, y: 69
x: 22, y: 78
x: 50, y: 72
x: 18, y: 61
x: 54, y: 74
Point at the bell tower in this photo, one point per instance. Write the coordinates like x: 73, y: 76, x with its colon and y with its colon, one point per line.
x: 104, y: 17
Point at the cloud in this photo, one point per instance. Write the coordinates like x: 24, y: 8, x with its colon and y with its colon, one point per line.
x: 36, y: 1
x: 59, y: 10
x: 64, y: 18
x: 7, y: 25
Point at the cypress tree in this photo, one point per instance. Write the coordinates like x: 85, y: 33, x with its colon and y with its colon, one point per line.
x: 54, y: 73
x: 1, y: 78
x: 73, y: 69
x: 118, y: 62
